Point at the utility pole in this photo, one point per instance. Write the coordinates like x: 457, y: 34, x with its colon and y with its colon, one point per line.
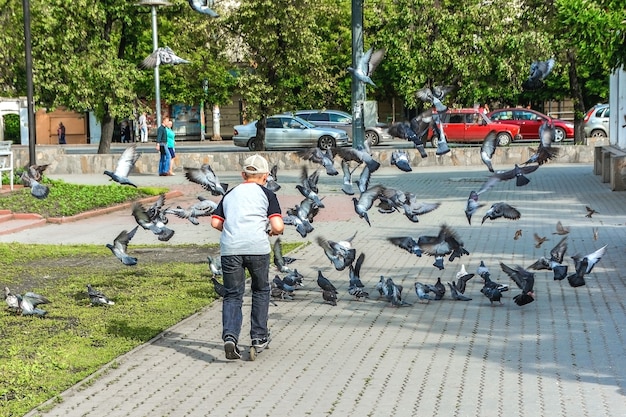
x: 32, y: 136
x: 358, y: 88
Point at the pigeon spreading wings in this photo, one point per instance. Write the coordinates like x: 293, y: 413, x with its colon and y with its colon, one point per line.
x: 120, y: 246
x: 154, y: 224
x: 488, y: 148
x: 501, y: 209
x: 125, y: 164
x: 539, y: 70
x: 206, y: 177
x: 202, y: 6
x: 318, y: 156
x: 545, y: 151
x: 162, y: 56
x: 37, y: 190
x: 435, y: 96
x: 524, y: 280
x: 519, y: 173
x: 367, y: 64
x: 447, y: 242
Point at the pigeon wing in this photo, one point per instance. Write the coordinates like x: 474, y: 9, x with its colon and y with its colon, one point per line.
x: 126, y: 162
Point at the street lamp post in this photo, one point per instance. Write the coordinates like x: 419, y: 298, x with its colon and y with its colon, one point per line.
x: 155, y: 45
x: 358, y: 88
x: 32, y: 136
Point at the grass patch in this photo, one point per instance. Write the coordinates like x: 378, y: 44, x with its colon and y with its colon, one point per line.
x: 42, y: 357
x: 70, y: 199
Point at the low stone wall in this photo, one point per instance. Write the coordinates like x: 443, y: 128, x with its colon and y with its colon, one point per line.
x: 62, y: 163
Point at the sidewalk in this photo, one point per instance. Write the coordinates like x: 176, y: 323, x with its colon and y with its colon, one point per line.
x: 562, y: 355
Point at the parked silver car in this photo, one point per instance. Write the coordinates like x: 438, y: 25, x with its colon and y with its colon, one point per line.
x: 288, y: 132
x: 341, y: 120
x: 597, y: 121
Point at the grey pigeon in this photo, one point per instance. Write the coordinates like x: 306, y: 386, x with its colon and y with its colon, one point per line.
x: 501, y: 209
x: 341, y: 253
x: 310, y: 194
x: 206, y: 177
x: 298, y: 216
x: 555, y: 262
x: 294, y: 278
x: 472, y: 206
x: 202, y: 6
x: 584, y: 265
x: 215, y: 265
x: 447, y: 242
x: 156, y: 210
x: 524, y: 280
x: 125, y: 164
x: 97, y: 298
x: 539, y: 70
x: 28, y: 304
x: 202, y: 208
x: 357, y: 155
x: 37, y: 190
x: 364, y: 179
x: 401, y: 160
x: 488, y: 148
x: 438, y: 289
x: 367, y: 64
x: 309, y: 181
x: 492, y: 290
x: 324, y: 283
x: 120, y: 246
x: 545, y: 151
x: 456, y: 294
x: 366, y: 200
x: 162, y: 56
x: 355, y: 287
x: 434, y: 96
x: 461, y: 279
x: 519, y: 173
x: 407, y: 243
x: 422, y: 292
x: 442, y: 143
x: 279, y: 283
x: 11, y: 299
x: 414, y: 131
x: 279, y: 260
x: 330, y: 297
x: 36, y: 171
x: 272, y: 180
x: 393, y: 292
x: 318, y: 156
x: 346, y: 187
x: 155, y: 225
x: 218, y: 287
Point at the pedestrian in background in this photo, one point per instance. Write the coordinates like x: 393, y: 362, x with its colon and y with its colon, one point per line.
x: 171, y: 145
x: 143, y: 127
x: 161, y: 146
x: 246, y: 215
x: 61, y: 133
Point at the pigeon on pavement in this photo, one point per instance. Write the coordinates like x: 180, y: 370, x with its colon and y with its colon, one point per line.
x: 524, y: 280
x: 456, y: 294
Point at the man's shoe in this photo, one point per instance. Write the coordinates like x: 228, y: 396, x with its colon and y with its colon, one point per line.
x: 260, y: 344
x: 231, y: 349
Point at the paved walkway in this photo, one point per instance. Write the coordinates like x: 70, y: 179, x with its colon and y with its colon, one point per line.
x: 562, y: 355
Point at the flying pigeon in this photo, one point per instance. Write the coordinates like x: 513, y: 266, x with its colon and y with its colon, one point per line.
x: 120, y: 245
x: 347, y: 187
x: 442, y: 144
x: 590, y: 211
x: 545, y: 151
x: 414, y: 131
x: 584, y: 265
x: 341, y: 253
x: 555, y: 262
x: 155, y: 225
x: 461, y: 279
x: 434, y: 96
x: 357, y: 155
x: 539, y: 70
x: 445, y: 243
x: 488, y: 148
x: 280, y: 261
x: 501, y: 209
x: 366, y: 200
x: 456, y: 294
x: 272, y: 180
x: 364, y: 179
x: 215, y: 265
x: 202, y: 208
x: 309, y: 181
x: 299, y: 217
x: 37, y: 190
x: 367, y: 64
x: 524, y: 280
x: 355, y: 287
x: 156, y: 210
x: 401, y: 160
x: 472, y: 206
x: 206, y: 177
x: 97, y: 298
x: 318, y: 156
x: 202, y: 6
x: 28, y: 304
x: 310, y: 194
x: 162, y: 56
x: 125, y: 164
x: 519, y: 173
x: 407, y: 243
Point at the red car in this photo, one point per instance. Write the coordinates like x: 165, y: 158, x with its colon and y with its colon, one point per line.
x: 472, y: 126
x: 529, y: 122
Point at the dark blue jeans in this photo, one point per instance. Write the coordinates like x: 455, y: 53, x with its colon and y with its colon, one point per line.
x: 164, y: 160
x: 234, y: 273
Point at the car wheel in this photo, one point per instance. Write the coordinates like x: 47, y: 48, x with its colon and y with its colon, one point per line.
x: 504, y: 139
x: 326, y: 142
x: 598, y: 133
x: 253, y: 145
x: 372, y: 137
x: 434, y: 141
x: 559, y: 134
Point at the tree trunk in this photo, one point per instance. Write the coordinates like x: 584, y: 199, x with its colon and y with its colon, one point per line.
x: 108, y: 123
x: 577, y: 97
x: 260, y: 133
